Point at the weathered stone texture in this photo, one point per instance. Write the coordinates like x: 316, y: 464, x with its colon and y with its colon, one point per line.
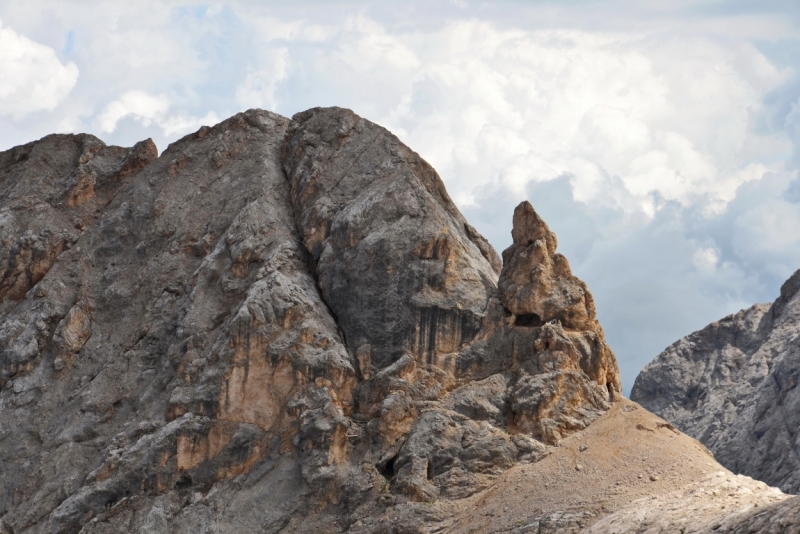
x: 537, y: 283
x: 732, y: 386
x: 275, y: 326
x: 51, y: 190
x: 164, y: 350
x: 396, y: 261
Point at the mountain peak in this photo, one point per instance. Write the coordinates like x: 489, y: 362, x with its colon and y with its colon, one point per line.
x: 281, y: 325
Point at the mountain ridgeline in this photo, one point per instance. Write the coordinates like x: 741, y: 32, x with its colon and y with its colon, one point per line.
x: 733, y: 386
x: 286, y: 325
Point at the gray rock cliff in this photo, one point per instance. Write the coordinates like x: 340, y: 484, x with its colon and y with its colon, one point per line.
x: 286, y: 325
x: 284, y: 312
x: 732, y: 386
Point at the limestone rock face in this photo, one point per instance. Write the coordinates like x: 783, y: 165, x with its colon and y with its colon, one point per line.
x: 574, y: 373
x: 396, y: 261
x: 51, y: 190
x: 269, y: 307
x: 286, y: 326
x: 180, y: 341
x: 537, y: 285
x: 732, y: 386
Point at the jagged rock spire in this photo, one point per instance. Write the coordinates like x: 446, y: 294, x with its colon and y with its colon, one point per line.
x: 537, y: 282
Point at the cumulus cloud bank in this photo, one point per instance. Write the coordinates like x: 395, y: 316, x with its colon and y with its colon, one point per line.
x: 31, y: 76
x: 147, y: 109
x: 661, y: 144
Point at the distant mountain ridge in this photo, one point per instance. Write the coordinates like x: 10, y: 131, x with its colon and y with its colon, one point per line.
x: 733, y: 386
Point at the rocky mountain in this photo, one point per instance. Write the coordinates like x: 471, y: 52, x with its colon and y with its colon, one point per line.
x: 732, y: 386
x: 287, y: 326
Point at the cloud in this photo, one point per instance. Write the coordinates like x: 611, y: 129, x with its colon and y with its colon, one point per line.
x: 31, y: 76
x: 139, y: 105
x: 274, y: 29
x: 258, y: 88
x: 145, y: 109
x: 182, y: 124
x: 666, y: 117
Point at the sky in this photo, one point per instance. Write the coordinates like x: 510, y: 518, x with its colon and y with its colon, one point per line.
x: 659, y: 140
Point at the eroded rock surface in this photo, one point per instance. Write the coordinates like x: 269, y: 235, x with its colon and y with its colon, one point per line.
x: 51, y: 190
x: 275, y: 326
x: 719, y: 502
x: 537, y: 285
x: 396, y: 261
x: 157, y: 353
x: 732, y: 386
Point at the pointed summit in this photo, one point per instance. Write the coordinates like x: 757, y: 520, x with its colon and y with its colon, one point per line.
x: 537, y: 283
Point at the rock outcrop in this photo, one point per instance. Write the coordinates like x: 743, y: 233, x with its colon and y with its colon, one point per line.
x: 51, y: 190
x: 281, y: 326
x: 732, y: 386
x: 396, y: 262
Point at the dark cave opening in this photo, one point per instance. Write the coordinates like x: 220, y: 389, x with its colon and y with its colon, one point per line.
x: 184, y: 482
x: 528, y: 319
x: 387, y: 469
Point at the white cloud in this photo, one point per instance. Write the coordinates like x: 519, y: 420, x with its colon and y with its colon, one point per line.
x: 271, y: 28
x: 258, y: 88
x: 366, y: 46
x: 31, y: 76
x: 147, y: 109
x: 182, y: 124
x: 706, y: 258
x: 139, y: 105
x: 668, y: 117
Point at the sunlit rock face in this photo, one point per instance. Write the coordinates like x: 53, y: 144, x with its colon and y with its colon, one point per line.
x: 732, y: 386
x: 537, y: 284
x: 272, y: 319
